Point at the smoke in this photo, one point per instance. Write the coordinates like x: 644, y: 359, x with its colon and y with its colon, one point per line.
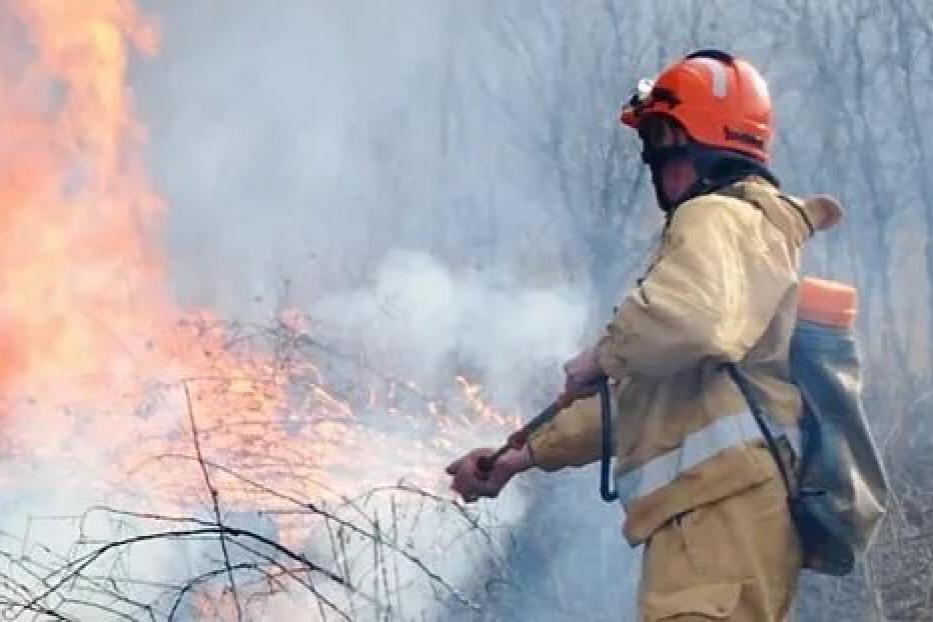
x: 427, y: 321
x: 355, y: 160
x: 347, y: 161
x: 300, y: 144
x: 326, y: 159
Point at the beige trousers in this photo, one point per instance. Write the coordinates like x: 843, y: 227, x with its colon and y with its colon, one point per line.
x: 735, y: 559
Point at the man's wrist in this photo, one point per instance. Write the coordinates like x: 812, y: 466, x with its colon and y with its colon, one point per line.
x: 608, y: 362
x: 519, y: 460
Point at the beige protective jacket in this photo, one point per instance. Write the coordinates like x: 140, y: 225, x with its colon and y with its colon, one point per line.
x: 722, y: 287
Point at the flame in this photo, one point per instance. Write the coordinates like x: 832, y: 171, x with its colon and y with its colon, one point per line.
x: 102, y: 374
x: 80, y: 272
x: 91, y: 346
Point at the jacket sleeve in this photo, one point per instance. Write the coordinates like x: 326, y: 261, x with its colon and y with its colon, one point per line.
x: 721, y: 273
x: 572, y: 438
x: 720, y: 276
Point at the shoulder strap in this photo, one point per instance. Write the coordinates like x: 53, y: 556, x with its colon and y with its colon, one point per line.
x: 766, y: 423
x: 801, y: 211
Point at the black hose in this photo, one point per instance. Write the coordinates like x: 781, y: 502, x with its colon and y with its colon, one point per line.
x: 606, y: 490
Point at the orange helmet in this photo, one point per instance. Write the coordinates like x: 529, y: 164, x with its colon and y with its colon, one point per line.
x: 721, y: 101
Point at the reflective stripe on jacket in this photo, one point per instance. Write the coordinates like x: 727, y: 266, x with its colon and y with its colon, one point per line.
x: 698, y: 447
x: 722, y: 288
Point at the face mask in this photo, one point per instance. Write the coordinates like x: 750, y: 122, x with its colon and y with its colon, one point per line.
x: 656, y: 158
x: 715, y: 168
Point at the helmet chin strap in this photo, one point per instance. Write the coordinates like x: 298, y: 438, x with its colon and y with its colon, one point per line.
x: 716, y: 169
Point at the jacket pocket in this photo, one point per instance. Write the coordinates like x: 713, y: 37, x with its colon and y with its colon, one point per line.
x: 715, y: 601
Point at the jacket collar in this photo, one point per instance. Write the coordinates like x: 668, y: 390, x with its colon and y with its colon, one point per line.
x: 798, y: 218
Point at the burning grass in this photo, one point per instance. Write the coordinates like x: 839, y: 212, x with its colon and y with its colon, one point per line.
x: 256, y: 493
x: 163, y: 464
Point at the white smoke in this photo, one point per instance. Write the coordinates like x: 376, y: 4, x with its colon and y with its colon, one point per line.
x: 344, y: 159
x: 328, y: 157
x: 425, y: 321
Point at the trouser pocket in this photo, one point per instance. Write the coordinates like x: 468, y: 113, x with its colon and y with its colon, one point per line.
x: 735, y: 559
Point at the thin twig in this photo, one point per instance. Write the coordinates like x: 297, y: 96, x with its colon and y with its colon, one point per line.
x: 215, y: 501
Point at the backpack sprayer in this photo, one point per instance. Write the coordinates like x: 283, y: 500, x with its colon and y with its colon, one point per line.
x: 838, y: 491
x: 519, y: 438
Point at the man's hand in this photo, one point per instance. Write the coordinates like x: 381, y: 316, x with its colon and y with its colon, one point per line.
x: 471, y: 483
x: 583, y: 372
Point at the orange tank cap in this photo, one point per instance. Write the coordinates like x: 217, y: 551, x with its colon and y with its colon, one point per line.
x: 827, y: 302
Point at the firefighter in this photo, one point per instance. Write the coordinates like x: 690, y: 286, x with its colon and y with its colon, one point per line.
x: 699, y: 487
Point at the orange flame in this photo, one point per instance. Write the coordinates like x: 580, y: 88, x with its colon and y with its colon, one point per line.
x: 84, y: 311
x: 79, y: 271
x: 92, y: 349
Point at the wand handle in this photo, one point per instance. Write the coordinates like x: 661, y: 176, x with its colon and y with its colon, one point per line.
x: 519, y: 438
